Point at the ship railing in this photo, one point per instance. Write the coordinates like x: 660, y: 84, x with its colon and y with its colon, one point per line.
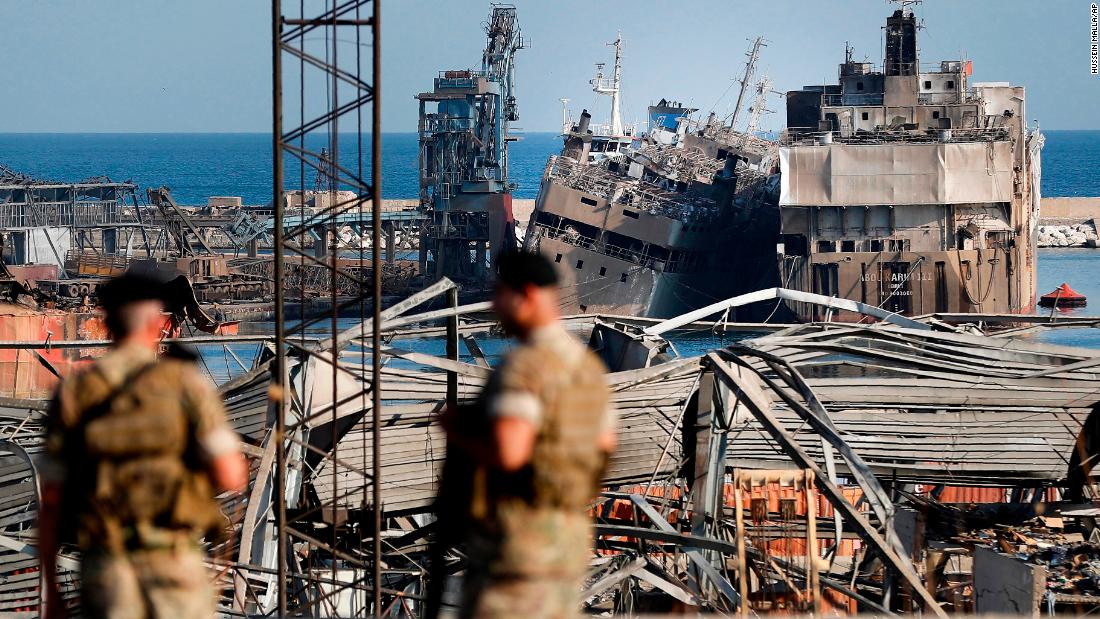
x: 459, y: 79
x: 606, y: 130
x: 673, y: 263
x: 795, y: 136
x: 686, y: 164
x: 78, y: 262
x: 730, y: 137
x: 672, y: 206
x: 603, y: 83
x: 584, y: 242
x: 597, y: 181
x: 943, y: 66
x: 924, y: 98
x: 437, y: 123
x: 461, y: 74
x: 86, y: 213
x: 591, y: 179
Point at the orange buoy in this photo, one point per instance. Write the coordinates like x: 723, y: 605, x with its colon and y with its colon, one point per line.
x: 1063, y: 296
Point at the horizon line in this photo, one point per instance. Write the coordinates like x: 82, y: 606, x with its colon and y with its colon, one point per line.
x: 529, y: 132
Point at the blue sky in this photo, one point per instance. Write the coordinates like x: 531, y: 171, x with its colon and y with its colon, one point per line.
x: 204, y: 65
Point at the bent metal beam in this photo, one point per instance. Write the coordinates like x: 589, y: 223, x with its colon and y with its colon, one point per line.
x: 787, y: 295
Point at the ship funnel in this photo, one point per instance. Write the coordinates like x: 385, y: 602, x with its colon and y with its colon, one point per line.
x: 582, y: 124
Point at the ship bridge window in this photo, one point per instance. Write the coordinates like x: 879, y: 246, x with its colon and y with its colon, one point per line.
x: 580, y: 264
x: 547, y: 219
x: 631, y: 214
x: 603, y: 271
x: 557, y: 258
x: 589, y: 201
x: 927, y: 85
x: 657, y: 252
x: 935, y: 114
x: 622, y: 278
x: 826, y: 246
x: 950, y: 84
x: 899, y: 244
x: 864, y: 116
x: 794, y: 244
x: 859, y: 85
x: 876, y: 244
x: 847, y: 246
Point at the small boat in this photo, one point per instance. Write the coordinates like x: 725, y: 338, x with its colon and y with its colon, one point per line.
x: 1063, y: 296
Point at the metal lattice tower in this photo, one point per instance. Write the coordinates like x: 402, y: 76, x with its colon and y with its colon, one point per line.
x: 326, y: 125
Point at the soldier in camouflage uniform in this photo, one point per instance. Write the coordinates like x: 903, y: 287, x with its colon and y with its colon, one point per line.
x: 136, y: 449
x: 540, y: 446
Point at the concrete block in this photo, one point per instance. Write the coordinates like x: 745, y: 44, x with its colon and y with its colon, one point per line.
x: 1004, y: 584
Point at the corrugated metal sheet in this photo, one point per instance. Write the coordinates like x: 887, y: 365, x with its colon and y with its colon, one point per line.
x: 414, y: 446
x: 930, y: 407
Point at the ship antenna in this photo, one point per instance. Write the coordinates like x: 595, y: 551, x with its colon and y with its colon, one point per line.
x: 760, y: 103
x: 750, y: 68
x: 905, y: 4
x: 604, y: 86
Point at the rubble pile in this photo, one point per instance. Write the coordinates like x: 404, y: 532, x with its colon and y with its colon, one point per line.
x: 1070, y: 556
x: 1071, y: 568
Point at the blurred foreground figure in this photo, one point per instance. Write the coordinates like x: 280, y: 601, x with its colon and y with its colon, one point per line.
x: 136, y: 449
x: 538, y: 441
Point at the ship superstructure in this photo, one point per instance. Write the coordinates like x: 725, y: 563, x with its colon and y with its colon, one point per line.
x: 602, y: 140
x: 910, y: 188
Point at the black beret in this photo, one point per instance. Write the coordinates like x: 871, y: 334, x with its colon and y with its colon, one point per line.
x: 130, y: 288
x: 519, y: 269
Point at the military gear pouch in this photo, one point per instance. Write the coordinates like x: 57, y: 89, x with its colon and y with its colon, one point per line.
x: 134, y: 433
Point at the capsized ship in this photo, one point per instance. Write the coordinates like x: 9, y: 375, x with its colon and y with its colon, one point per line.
x: 910, y: 188
x: 656, y: 229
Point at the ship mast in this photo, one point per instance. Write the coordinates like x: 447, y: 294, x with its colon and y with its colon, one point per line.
x: 604, y: 86
x: 750, y: 68
x: 759, y: 104
x: 566, y: 126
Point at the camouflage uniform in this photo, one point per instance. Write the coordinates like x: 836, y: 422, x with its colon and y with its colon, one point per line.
x: 129, y: 439
x: 531, y: 537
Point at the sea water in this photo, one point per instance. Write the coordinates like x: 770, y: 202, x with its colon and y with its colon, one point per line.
x: 196, y: 166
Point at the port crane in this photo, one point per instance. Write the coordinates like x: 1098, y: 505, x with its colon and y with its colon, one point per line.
x: 464, y: 131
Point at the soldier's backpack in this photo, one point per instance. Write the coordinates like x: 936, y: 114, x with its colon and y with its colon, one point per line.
x: 143, y: 473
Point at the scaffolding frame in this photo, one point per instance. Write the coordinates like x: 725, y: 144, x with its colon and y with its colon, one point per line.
x: 296, y: 29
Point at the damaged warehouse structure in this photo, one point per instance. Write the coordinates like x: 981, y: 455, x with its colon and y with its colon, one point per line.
x: 803, y: 468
